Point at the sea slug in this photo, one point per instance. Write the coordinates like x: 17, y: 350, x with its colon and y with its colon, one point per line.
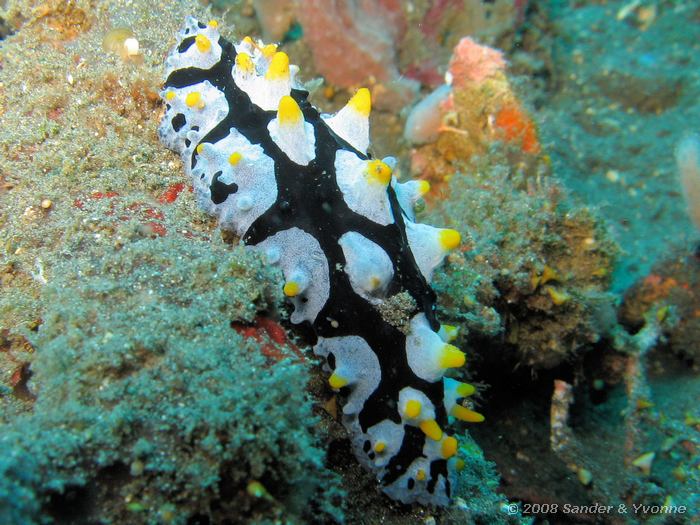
x: 301, y: 187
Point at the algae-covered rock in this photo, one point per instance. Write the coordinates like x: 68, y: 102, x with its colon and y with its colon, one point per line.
x: 150, y: 407
x: 535, y: 271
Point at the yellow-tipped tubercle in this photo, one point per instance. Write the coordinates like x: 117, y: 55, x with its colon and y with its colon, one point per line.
x: 213, y: 24
x: 450, y: 332
x: 431, y: 429
x: 337, y: 381
x: 269, y: 50
x: 289, y: 111
x: 244, y: 63
x: 420, y: 475
x: 202, y: 43
x: 361, y: 102
x: 465, y: 389
x: 291, y: 289
x: 413, y: 408
x: 279, y: 67
x: 379, y: 171
x: 194, y: 100
x: 234, y: 158
x: 451, y: 357
x: 170, y: 95
x: 466, y: 415
x: 449, y: 239
x: 449, y: 447
x: 423, y: 187
x: 379, y: 447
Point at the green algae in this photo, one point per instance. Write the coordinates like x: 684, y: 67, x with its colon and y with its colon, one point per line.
x: 146, y: 397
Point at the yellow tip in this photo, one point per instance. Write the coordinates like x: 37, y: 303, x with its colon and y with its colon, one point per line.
x: 199, y: 148
x: 378, y: 171
x: 289, y: 111
x: 465, y: 389
x: 420, y: 475
x: 291, y: 289
x: 558, y: 297
x: 337, y: 382
x: 379, y: 447
x: 374, y: 282
x: 202, y: 43
x: 466, y: 415
x: 269, y: 50
x: 451, y: 357
x: 431, y: 429
x: 234, y: 158
x: 449, y: 239
x: 423, y: 187
x: 170, y: 95
x: 361, y: 102
x: 213, y: 24
x: 450, y: 332
x: 194, y: 99
x: 459, y: 464
x: 244, y: 63
x: 413, y: 408
x: 449, y: 447
x: 279, y: 67
x: 247, y: 40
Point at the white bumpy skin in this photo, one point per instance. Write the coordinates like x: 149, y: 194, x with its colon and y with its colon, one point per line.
x: 301, y: 188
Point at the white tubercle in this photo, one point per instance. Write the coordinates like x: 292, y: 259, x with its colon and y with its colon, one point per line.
x: 408, y: 194
x: 428, y: 356
x: 294, y: 136
x: 236, y: 161
x: 203, y: 52
x: 300, y: 254
x: 414, y: 406
x: 367, y: 264
x: 430, y: 245
x: 201, y: 106
x: 351, y: 123
x: 363, y: 184
x: 263, y: 73
x: 386, y: 438
x: 356, y: 365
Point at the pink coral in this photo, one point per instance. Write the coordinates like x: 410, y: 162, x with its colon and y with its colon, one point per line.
x: 354, y: 39
x: 474, y: 63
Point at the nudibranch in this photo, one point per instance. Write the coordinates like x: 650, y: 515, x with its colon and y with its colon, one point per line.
x: 301, y: 187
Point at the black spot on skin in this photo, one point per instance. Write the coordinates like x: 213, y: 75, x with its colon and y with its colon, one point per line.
x: 201, y: 25
x: 220, y: 190
x: 411, y: 483
x: 367, y: 445
x: 371, y: 455
x: 178, y: 121
x: 187, y: 143
x: 195, y: 128
x: 185, y: 44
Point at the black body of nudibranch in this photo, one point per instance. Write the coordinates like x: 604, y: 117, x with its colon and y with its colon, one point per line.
x: 300, y: 187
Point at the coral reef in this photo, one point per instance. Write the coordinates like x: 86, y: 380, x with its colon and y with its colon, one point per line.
x: 476, y: 108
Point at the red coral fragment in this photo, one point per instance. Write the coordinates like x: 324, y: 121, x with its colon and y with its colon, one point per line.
x: 516, y: 126
x: 271, y: 335
x: 171, y: 194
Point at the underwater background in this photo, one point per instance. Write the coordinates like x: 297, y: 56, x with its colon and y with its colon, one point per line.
x: 148, y: 369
